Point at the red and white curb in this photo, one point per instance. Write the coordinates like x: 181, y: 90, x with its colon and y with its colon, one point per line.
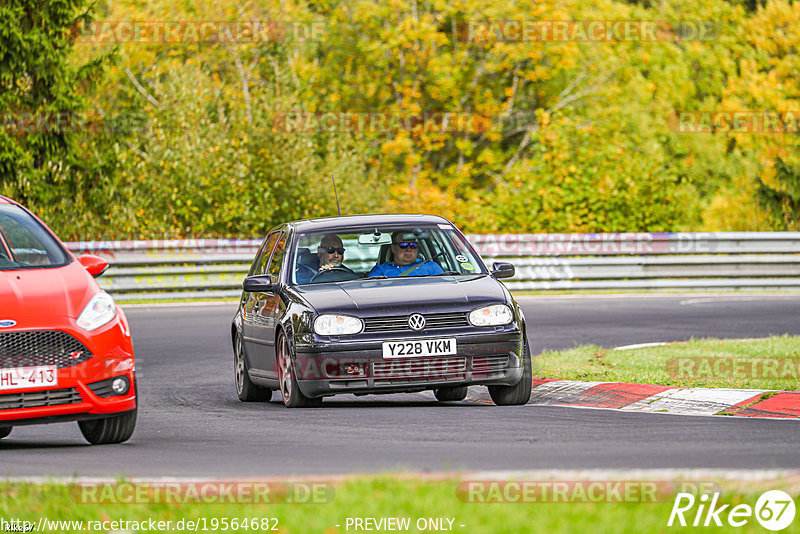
x: 665, y: 399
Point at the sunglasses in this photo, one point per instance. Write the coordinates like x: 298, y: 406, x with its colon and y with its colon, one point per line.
x: 404, y: 245
x: 331, y: 250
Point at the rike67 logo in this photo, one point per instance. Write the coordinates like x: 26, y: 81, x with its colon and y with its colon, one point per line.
x: 774, y: 511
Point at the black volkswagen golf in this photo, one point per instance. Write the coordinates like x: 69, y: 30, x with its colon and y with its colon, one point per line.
x: 373, y: 304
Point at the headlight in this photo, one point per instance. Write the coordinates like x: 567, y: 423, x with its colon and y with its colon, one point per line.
x: 494, y: 315
x: 337, y: 325
x: 100, y: 310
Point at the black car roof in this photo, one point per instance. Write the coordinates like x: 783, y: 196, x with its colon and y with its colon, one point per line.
x: 401, y: 219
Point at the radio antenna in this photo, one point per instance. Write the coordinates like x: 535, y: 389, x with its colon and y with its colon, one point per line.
x: 336, y: 195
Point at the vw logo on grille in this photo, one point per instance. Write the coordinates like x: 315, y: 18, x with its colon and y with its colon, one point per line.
x: 416, y: 321
x: 5, y: 323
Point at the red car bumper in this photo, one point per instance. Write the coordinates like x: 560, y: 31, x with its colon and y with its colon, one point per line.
x: 77, y: 394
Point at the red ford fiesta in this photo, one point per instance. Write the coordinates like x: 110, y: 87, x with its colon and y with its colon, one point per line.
x: 65, y: 347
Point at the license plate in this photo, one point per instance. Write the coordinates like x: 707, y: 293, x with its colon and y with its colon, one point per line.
x: 419, y: 347
x: 28, y: 377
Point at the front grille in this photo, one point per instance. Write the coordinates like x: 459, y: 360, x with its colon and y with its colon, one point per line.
x: 394, y: 323
x: 489, y: 364
x: 35, y: 399
x: 424, y: 369
x: 39, y: 348
x: 438, y: 369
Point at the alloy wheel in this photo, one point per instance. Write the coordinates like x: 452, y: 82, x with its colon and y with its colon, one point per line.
x: 285, y: 370
x: 239, y: 366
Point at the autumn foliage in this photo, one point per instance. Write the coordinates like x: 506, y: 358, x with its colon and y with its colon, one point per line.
x: 225, y: 118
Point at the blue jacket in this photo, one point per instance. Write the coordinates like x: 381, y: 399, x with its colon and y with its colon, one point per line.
x: 390, y: 269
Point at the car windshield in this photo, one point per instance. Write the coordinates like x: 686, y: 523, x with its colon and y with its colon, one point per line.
x: 24, y: 243
x: 339, y: 255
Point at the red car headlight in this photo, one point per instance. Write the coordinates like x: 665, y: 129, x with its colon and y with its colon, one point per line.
x: 100, y: 310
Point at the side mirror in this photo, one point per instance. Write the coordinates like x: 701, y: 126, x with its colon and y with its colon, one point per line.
x: 501, y: 269
x: 260, y: 283
x: 95, y: 265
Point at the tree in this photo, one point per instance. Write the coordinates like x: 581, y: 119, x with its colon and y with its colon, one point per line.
x: 766, y: 86
x: 43, y: 106
x: 784, y: 199
x: 565, y: 135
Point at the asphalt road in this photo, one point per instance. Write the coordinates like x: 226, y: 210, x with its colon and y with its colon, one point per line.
x: 191, y: 424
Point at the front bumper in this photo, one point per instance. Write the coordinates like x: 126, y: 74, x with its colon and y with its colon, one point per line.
x: 72, y: 397
x: 357, y: 365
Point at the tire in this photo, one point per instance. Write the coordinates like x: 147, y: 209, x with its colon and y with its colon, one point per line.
x: 521, y: 392
x: 287, y: 378
x: 457, y: 393
x: 5, y: 431
x: 114, y: 429
x: 245, y: 389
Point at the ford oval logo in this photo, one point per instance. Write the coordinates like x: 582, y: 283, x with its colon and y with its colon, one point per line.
x: 6, y: 323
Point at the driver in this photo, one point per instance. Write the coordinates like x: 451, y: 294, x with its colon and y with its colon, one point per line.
x: 330, y: 254
x: 405, y: 261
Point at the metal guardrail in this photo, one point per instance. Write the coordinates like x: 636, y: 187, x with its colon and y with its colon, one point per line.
x: 211, y: 268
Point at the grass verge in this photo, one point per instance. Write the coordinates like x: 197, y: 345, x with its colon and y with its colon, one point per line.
x: 379, y: 497
x: 711, y: 292
x: 770, y: 363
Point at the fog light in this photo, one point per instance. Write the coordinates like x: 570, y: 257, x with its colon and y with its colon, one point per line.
x: 120, y: 386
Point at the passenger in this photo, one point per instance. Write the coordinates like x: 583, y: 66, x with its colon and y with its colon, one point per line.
x: 330, y: 254
x: 405, y: 261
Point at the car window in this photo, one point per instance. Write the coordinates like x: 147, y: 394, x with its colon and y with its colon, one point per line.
x: 366, y: 248
x: 25, y: 243
x: 277, y: 258
x: 260, y: 263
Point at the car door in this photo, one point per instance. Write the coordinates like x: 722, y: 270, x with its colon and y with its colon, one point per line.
x: 273, y: 307
x: 251, y: 308
x: 266, y: 312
